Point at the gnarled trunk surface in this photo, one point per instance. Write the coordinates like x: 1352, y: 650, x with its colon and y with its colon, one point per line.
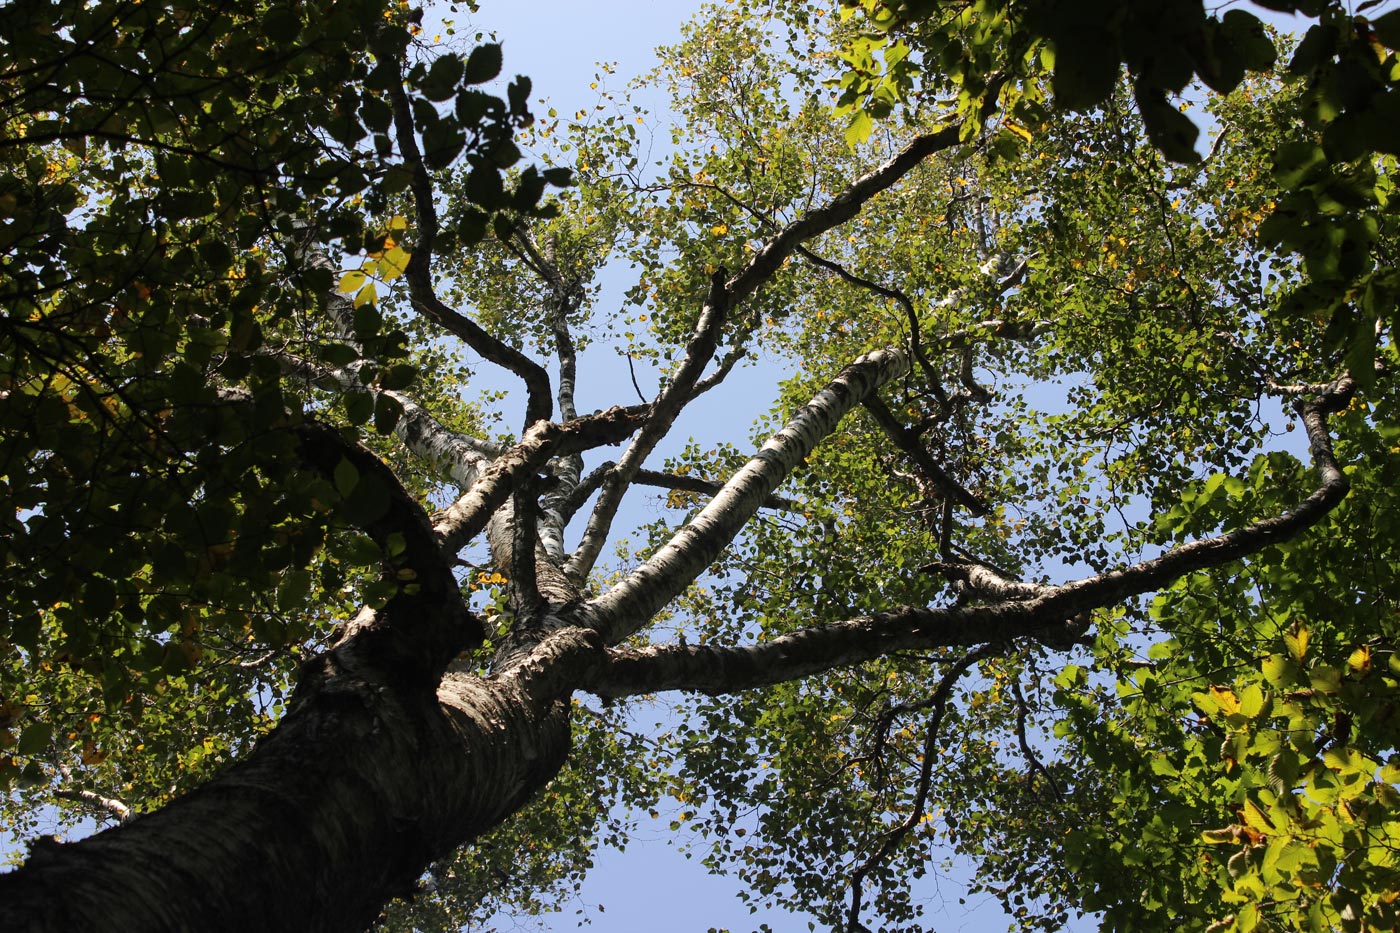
x: 357, y: 790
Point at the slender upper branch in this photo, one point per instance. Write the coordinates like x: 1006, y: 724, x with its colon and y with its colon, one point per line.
x: 932, y: 733
x: 908, y: 442
x: 662, y: 415
x: 418, y: 274
x: 111, y: 806
x: 984, y: 581
x: 837, y: 211
x: 910, y: 313
x: 705, y: 487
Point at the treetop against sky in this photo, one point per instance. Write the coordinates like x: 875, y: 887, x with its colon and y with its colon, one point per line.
x: 327, y: 591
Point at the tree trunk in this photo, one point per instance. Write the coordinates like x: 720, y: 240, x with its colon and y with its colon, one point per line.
x: 344, y: 805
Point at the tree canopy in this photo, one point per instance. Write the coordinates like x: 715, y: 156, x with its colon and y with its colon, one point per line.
x: 1066, y: 545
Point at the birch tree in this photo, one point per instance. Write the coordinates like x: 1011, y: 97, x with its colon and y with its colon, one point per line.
x: 315, y: 625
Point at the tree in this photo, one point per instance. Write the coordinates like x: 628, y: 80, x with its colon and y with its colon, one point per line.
x: 305, y: 619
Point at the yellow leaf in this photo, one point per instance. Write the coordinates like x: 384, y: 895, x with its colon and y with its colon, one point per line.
x: 351, y: 282
x: 1017, y: 130
x: 1360, y: 660
x: 1255, y: 819
x: 1297, y: 641
x: 394, y: 263
x: 1225, y: 698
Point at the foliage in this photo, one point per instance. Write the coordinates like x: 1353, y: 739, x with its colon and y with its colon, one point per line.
x: 1114, y: 329
x: 166, y: 167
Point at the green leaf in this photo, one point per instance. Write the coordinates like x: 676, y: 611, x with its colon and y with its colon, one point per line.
x: 367, y: 321
x: 293, y: 589
x: 397, y: 376
x: 346, y: 476
x: 1170, y: 130
x: 1387, y: 28
x: 859, y: 128
x: 359, y: 406
x: 484, y: 187
x: 484, y: 64
x: 1247, y: 34
x: 351, y: 282
x: 34, y: 739
x: 442, y: 78
x: 1086, y: 67
x: 387, y: 413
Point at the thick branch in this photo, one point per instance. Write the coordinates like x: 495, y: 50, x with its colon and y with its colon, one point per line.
x: 757, y: 271
x: 465, y: 518
x: 421, y: 643
x: 446, y: 452
x: 585, y: 488
x: 523, y: 577
x: 628, y: 607
x: 564, y: 301
x: 1047, y: 611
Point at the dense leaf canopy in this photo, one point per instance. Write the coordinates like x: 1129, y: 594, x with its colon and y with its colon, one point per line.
x: 1069, y: 544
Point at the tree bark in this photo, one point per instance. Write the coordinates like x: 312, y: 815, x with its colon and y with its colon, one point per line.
x: 358, y: 789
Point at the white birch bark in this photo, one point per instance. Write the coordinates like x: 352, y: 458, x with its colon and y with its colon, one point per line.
x: 629, y: 606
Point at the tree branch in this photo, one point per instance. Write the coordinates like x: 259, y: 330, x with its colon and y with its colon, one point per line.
x: 420, y: 568
x: 984, y: 581
x: 1051, y: 612
x: 524, y: 579
x: 446, y: 452
x: 910, y: 314
x: 628, y: 607
x: 759, y: 269
x: 907, y: 441
x: 706, y: 487
x: 661, y: 416
x: 418, y: 274
x: 564, y: 299
x: 109, y: 805
x: 837, y: 211
x: 939, y: 702
x: 585, y: 488
x: 465, y: 518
